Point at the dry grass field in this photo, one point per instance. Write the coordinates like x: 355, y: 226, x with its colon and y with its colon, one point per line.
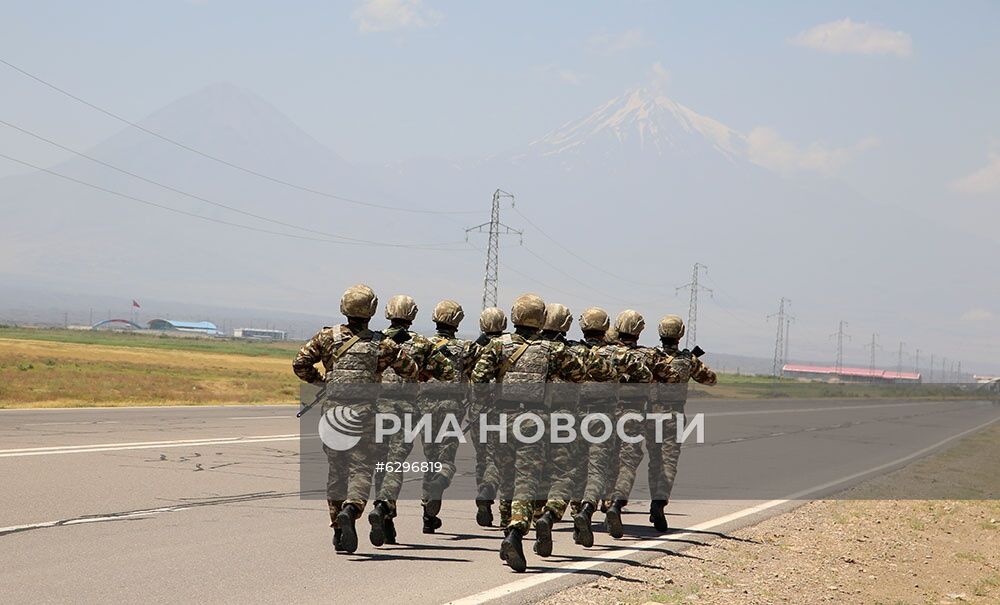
x: 47, y: 373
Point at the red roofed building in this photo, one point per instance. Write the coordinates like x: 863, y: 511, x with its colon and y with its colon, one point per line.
x: 845, y: 374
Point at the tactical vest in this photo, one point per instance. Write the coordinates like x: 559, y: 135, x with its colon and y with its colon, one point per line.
x: 675, y: 393
x: 394, y: 385
x: 592, y: 392
x: 457, y: 352
x: 525, y: 379
x: 358, y: 365
x: 563, y: 394
x: 634, y: 395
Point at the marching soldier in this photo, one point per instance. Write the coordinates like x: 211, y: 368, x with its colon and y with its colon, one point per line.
x: 522, y: 363
x: 399, y: 396
x: 594, y: 461
x: 671, y: 395
x: 441, y: 397
x: 632, y: 400
x: 352, y: 356
x: 556, y: 482
x: 492, y: 323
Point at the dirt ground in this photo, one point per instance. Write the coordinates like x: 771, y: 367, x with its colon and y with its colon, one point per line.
x: 847, y: 550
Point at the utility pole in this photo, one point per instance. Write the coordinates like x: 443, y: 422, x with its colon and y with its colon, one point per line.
x: 958, y: 377
x: 788, y: 328
x: 493, y: 227
x: 873, y: 346
x: 916, y: 363
x: 944, y: 369
x: 691, y: 333
x: 779, y: 339
x: 930, y: 371
x: 899, y: 360
x: 840, y: 344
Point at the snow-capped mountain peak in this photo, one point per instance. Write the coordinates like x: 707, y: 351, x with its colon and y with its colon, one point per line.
x: 643, y: 120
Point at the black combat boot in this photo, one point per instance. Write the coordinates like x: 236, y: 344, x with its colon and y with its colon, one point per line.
x: 543, y: 534
x: 484, y: 507
x: 506, y: 532
x: 345, y: 521
x: 512, y: 552
x: 337, y: 535
x: 583, y: 533
x: 613, y: 519
x: 432, y: 522
x: 390, y: 530
x: 377, y: 518
x: 656, y: 516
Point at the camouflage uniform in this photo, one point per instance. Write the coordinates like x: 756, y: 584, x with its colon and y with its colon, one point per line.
x: 492, y: 324
x: 566, y: 460
x: 399, y: 396
x: 670, y: 400
x: 541, y: 361
x: 440, y: 400
x: 630, y: 454
x: 349, y: 479
x: 593, y: 474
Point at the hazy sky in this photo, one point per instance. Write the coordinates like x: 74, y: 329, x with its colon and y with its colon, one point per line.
x: 896, y: 99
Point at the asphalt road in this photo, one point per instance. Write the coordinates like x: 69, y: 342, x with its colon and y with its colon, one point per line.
x: 204, y: 503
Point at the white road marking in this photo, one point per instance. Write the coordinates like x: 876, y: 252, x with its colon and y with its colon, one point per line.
x: 837, y: 408
x: 259, y: 418
x: 78, y: 422
x: 600, y: 558
x: 145, y: 445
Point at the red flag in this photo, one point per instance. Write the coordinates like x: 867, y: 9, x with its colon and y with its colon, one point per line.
x: 135, y: 304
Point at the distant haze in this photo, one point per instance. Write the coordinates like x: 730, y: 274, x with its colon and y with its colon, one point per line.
x: 642, y: 189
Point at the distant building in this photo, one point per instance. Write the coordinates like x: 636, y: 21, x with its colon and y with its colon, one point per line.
x: 260, y: 334
x: 116, y: 324
x: 831, y: 373
x: 205, y: 328
x: 985, y: 379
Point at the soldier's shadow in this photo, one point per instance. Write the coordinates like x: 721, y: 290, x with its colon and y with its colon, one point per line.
x: 431, y: 546
x: 388, y: 556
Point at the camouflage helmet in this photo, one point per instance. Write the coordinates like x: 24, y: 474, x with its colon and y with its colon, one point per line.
x: 359, y: 301
x: 528, y: 311
x: 492, y: 320
x: 402, y: 307
x: 557, y: 318
x: 449, y: 313
x: 671, y: 326
x: 595, y: 319
x: 611, y: 336
x: 630, y: 322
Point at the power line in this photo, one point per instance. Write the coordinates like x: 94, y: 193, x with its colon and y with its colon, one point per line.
x: 580, y: 258
x: 208, y: 218
x: 692, y: 325
x: 225, y: 162
x: 202, y: 198
x: 491, y: 279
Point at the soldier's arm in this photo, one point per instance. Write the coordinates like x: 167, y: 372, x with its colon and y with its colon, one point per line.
x: 304, y: 364
x: 436, y: 364
x: 391, y: 355
x: 703, y: 374
x: 638, y: 368
x: 567, y: 365
x: 487, y: 365
x: 661, y: 369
